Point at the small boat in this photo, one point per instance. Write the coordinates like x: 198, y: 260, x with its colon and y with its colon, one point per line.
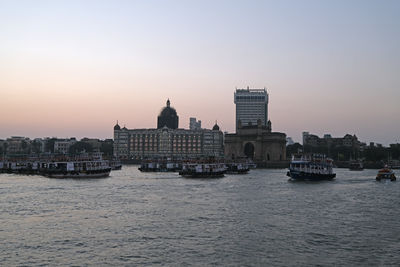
x: 356, y: 166
x: 159, y: 166
x: 115, y: 164
x: 311, y: 167
x: 251, y: 164
x: 237, y: 168
x: 385, y: 173
x: 203, y: 170
x: 393, y: 164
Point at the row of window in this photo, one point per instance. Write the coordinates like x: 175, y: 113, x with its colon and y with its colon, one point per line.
x: 252, y: 97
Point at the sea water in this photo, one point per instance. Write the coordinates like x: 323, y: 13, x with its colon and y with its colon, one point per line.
x: 161, y: 219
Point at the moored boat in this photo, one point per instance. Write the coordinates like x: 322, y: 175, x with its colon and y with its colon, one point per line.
x: 311, y: 167
x: 237, y: 167
x: 159, y: 166
x: 203, y: 170
x: 115, y: 164
x: 76, y: 169
x: 385, y: 173
x: 356, y: 166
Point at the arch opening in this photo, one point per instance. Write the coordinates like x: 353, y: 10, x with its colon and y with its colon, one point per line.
x: 249, y: 150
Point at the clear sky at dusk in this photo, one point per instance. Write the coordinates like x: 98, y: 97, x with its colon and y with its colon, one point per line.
x: 72, y: 68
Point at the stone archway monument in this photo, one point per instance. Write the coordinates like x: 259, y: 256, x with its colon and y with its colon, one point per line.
x: 257, y: 142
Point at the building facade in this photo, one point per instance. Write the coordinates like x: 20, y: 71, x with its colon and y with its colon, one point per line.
x: 17, y: 145
x: 137, y: 144
x: 312, y: 140
x: 166, y: 142
x: 62, y: 145
x: 258, y: 143
x: 194, y: 124
x: 251, y: 106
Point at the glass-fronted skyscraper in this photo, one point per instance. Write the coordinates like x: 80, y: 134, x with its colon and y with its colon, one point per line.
x: 251, y: 105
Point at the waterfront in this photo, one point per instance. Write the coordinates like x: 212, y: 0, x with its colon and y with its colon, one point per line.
x: 161, y: 219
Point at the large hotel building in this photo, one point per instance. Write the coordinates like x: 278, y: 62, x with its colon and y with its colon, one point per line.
x: 167, y: 140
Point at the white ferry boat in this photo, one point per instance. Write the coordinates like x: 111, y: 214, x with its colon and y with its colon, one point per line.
x: 311, y: 167
x: 75, y: 169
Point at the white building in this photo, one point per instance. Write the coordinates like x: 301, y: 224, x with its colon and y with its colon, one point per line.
x: 166, y: 142
x: 62, y: 145
x: 251, y: 106
x: 194, y: 124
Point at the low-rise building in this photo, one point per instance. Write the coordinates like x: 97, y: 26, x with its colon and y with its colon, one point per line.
x: 17, y: 145
x: 62, y: 145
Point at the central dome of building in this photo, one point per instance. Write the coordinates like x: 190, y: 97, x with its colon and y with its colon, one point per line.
x: 168, y: 117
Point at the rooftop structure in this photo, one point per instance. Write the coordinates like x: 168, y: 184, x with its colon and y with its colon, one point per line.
x: 168, y: 117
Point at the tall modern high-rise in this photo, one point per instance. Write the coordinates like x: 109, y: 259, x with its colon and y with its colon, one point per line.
x: 251, y: 106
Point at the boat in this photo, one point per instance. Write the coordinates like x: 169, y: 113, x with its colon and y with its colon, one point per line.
x: 159, y: 166
x: 203, y: 170
x: 115, y: 164
x: 251, y: 164
x: 76, y: 169
x: 237, y: 168
x: 356, y: 166
x: 394, y: 164
x: 386, y: 173
x: 311, y: 167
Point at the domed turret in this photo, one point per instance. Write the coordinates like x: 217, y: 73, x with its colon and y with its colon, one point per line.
x: 117, y: 127
x: 168, y: 117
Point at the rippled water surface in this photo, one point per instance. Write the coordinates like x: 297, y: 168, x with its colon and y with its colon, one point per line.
x: 147, y: 219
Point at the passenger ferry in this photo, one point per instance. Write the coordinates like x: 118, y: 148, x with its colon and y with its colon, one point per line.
x: 385, y: 173
x: 60, y: 166
x: 83, y: 166
x: 311, y: 167
x: 203, y: 170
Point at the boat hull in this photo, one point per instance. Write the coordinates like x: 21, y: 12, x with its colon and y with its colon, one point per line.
x: 310, y: 176
x: 78, y: 175
x: 157, y: 170
x: 245, y: 171
x: 202, y: 174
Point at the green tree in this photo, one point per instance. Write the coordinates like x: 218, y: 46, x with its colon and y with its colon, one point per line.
x: 79, y: 147
x: 36, y: 147
x: 26, y: 149
x: 49, y: 147
x: 107, y: 148
x: 293, y: 149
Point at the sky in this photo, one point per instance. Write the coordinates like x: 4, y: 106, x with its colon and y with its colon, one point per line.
x: 73, y: 68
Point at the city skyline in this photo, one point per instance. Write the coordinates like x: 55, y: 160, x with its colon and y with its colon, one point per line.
x: 72, y: 69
